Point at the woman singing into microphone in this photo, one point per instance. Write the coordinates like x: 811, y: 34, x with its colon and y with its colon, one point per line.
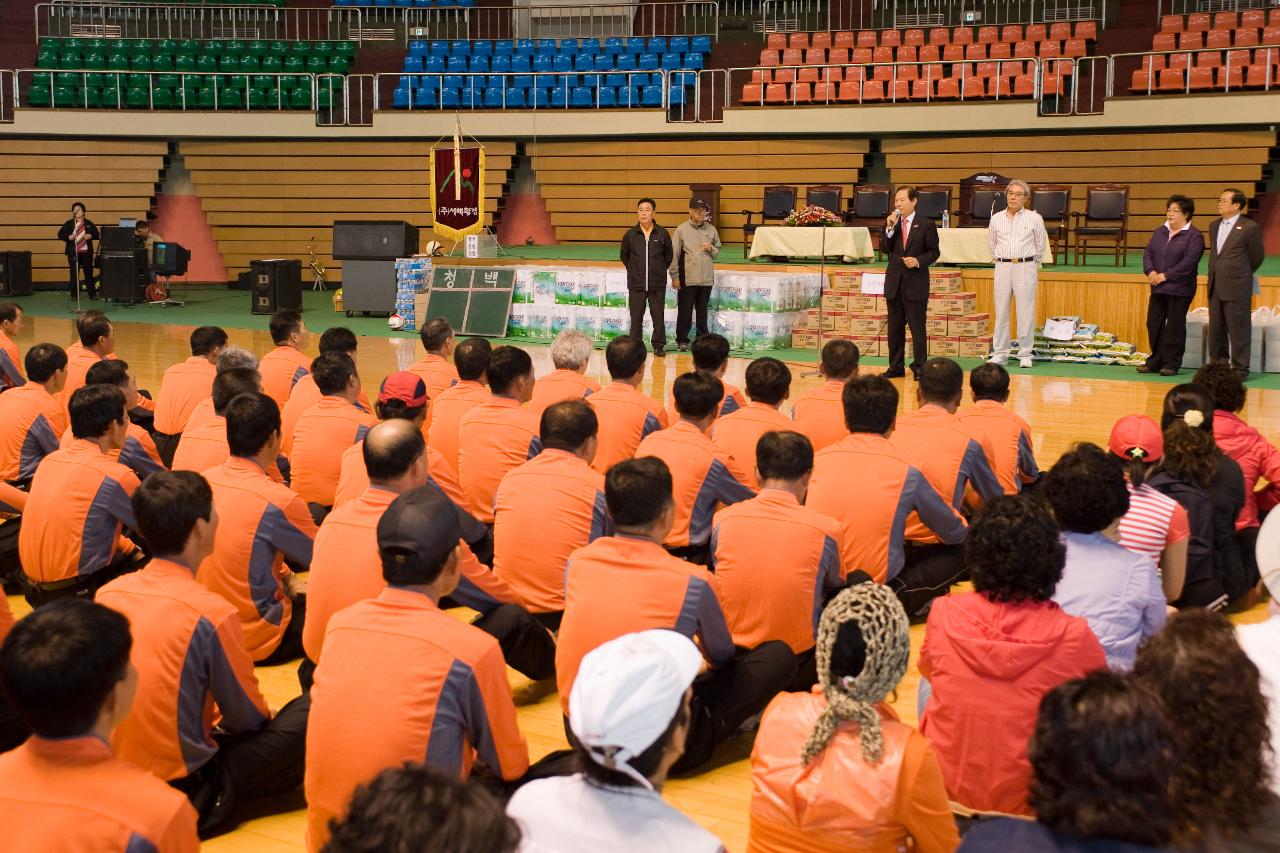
x: 79, y: 233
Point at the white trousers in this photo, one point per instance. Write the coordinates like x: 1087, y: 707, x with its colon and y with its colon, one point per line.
x: 1016, y: 281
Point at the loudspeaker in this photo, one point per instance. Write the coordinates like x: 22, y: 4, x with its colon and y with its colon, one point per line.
x: 374, y: 241
x: 123, y: 276
x: 116, y: 239
x: 15, y: 273
x: 277, y: 286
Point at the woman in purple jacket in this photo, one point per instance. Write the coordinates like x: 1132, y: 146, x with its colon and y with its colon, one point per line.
x: 1170, y: 262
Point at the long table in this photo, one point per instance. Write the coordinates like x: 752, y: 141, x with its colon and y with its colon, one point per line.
x: 803, y: 242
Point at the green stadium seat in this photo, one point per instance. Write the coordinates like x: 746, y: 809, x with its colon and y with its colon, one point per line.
x: 48, y: 58
x: 189, y: 47
x: 66, y: 96
x: 295, y: 65
x: 300, y: 48
x: 317, y: 65
x: 258, y: 99
x: 205, y: 99
x: 347, y: 48
x: 118, y: 62
x: 71, y: 44
x: 67, y: 80
x: 258, y: 48
x: 162, y: 62
x: 324, y: 99
x: 206, y: 64
x: 70, y: 59
x: 234, y: 47
x: 93, y: 98
x: 41, y: 79
x: 300, y: 99
x: 166, y: 81
x: 39, y: 96
x: 339, y: 64
x: 250, y: 64
x: 279, y: 48
x: 94, y: 60
x: 324, y: 48
x: 229, y: 62
x: 272, y: 64
x: 214, y: 47
x: 230, y: 98
x: 291, y: 81
x: 140, y: 61
x: 141, y: 47
x: 137, y: 99
x: 99, y: 45
x: 163, y: 99
x: 235, y: 81
x: 169, y: 46
x: 137, y: 81
x: 184, y: 62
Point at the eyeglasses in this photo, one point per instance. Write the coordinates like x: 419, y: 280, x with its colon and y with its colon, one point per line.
x: 1015, y: 192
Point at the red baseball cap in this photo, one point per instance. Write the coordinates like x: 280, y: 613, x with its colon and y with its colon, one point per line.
x: 1137, y: 437
x: 404, y: 386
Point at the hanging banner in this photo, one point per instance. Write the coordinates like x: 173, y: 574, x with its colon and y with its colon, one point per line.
x: 457, y: 191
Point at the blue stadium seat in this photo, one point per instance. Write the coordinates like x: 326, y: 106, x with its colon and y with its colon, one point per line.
x: 524, y: 47
x: 423, y: 4
x: 478, y: 63
x: 591, y: 45
x: 590, y: 81
x: 500, y: 64
x: 457, y: 64
x: 544, y: 81
x: 700, y: 44
x: 675, y: 97
x: 651, y: 96
x: 568, y: 81
x: 678, y: 44
x: 452, y: 81
x: 615, y: 80
x: 400, y: 98
x: 540, y: 99
x: 413, y: 64
x: 459, y: 47
x: 520, y: 81
x: 435, y: 65
x: 608, y: 97
x: 403, y: 4
x: 364, y: 3
x: 560, y: 63
x: 521, y: 65
x: 515, y: 98
x: 417, y: 47
x: 583, y: 97
x: 635, y: 44
x: 503, y: 47
x: 548, y: 47
x: 687, y: 79
x: 626, y: 62
x: 628, y: 96
x: 671, y: 61
x: 483, y: 48
x: 648, y: 62
x: 426, y: 96
x: 583, y: 62
x: 449, y: 98
x: 344, y: 2
x: 558, y: 97
x: 693, y: 61
x: 604, y: 62
x: 383, y: 4
x: 472, y: 98
x: 439, y: 47
x: 493, y: 97
x: 656, y: 44
x: 612, y: 46
x: 544, y: 63
x: 567, y: 47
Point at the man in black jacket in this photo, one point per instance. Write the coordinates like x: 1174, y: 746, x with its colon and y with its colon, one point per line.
x: 911, y: 244
x: 646, y: 252
x: 1235, y: 253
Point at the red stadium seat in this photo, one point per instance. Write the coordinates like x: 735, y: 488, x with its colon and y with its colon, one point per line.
x: 815, y: 56
x: 999, y: 87
x: 831, y: 75
x: 1171, y: 24
x: 801, y: 93
x: 1164, y: 41
x: 851, y: 91
x: 1197, y: 22
x: 1024, y: 86
x: 1036, y: 32
x: 1241, y: 58
x: 948, y: 89
x: 890, y: 38
x: 753, y: 94
x: 1181, y: 61
x: 784, y: 75
x: 799, y: 41
x: 908, y: 53
x: 930, y: 53
x: 882, y: 72
x: 807, y: 75
x: 1230, y: 79
x: 1259, y: 76
x: 1218, y: 39
x: 939, y: 36
x: 844, y: 38
x: 1010, y: 33
x: 867, y: 38
x: 824, y: 93
x: 793, y: 56
x: 988, y: 35
x: 1271, y: 35
x: 1208, y: 59
x: 761, y: 75
x: 1226, y: 21
x: 1087, y: 30
x: 962, y: 35
x: 1253, y: 18
x: 932, y: 71
x: 1191, y: 40
x: 1246, y: 38
x: 899, y: 90
x: 838, y: 56
x: 769, y: 57
x: 775, y: 93
x: 1073, y: 47
x: 1152, y: 64
x: 1000, y: 50
x: 1012, y: 69
x: 973, y: 88
x: 915, y: 37
x: 872, y: 90
x: 820, y: 40
x: 1141, y: 82
x: 1200, y: 79
x: 1050, y: 49
x: 921, y: 90
x: 855, y: 74
x: 862, y: 56
x: 984, y: 70
x: 1273, y: 18
x: 776, y: 41
x: 1171, y: 80
x: 882, y: 54
x: 953, y: 53
x: 1025, y: 50
x: 975, y: 51
x: 1060, y: 31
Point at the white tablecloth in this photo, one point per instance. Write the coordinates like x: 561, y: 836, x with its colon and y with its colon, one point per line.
x: 801, y: 242
x: 969, y: 246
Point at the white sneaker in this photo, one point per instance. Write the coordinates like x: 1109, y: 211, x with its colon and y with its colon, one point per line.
x: 1024, y: 362
x: 996, y: 359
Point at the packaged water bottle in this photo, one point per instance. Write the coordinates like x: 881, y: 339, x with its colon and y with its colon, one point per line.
x: 946, y: 219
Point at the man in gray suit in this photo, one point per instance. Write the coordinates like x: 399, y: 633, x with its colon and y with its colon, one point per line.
x: 1235, y: 253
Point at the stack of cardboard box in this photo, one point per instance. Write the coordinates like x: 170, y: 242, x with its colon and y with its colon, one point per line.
x: 954, y: 327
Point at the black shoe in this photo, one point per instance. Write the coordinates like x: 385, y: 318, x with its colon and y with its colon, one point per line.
x: 915, y: 373
x: 1142, y: 368
x: 659, y: 351
x: 682, y: 347
x: 1166, y: 371
x: 894, y: 373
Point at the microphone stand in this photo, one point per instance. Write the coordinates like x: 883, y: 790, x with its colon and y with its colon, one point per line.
x: 75, y: 260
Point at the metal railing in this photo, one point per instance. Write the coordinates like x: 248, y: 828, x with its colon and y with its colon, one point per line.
x: 1186, y: 7
x: 812, y: 15
x: 72, y: 90
x: 598, y: 20
x: 472, y: 95
x: 352, y: 105
x: 83, y: 19
x: 8, y: 93
x: 1073, y: 86
x: 898, y: 72
x: 1233, y: 71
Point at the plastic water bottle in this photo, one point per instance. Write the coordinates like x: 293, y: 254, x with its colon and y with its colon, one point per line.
x: 946, y: 219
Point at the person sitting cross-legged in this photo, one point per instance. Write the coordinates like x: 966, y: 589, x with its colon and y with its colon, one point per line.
x: 819, y: 412
x: 184, y: 386
x: 571, y: 355
x: 31, y: 418
x: 471, y: 358
x: 736, y: 434
x: 626, y: 414
x: 1012, y: 454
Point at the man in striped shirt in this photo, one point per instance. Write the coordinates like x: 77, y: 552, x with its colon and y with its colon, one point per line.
x: 1017, y: 239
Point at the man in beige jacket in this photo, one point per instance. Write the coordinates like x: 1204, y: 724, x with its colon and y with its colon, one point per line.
x: 695, y: 245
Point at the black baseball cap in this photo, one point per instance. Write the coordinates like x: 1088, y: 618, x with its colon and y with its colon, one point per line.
x: 420, y: 525
x: 699, y: 202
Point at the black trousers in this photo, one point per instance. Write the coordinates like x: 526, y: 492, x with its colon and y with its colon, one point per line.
x: 166, y: 446
x: 319, y: 512
x: 526, y: 645
x: 1230, y: 331
x: 726, y: 697
x: 264, y: 763
x: 929, y: 571
x: 637, y: 301
x: 806, y: 672
x: 690, y: 299
x: 1167, y: 330
x: 85, y: 587
x: 85, y: 268
x: 904, y: 313
x: 699, y: 555
x: 10, y: 566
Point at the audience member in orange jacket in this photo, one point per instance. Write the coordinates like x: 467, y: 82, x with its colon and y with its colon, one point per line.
x: 263, y: 522
x: 1012, y: 454
x: 434, y: 368
x: 184, y: 385
x: 626, y: 582
x: 777, y: 560
x: 626, y: 414
x: 555, y: 500
x: 10, y: 356
x: 193, y: 668
x: 500, y: 433
x: 704, y: 475
x: 70, y: 542
x: 232, y: 358
x: 306, y: 394
x: 471, y: 358
x: 870, y: 488
x: 819, y: 412
x: 63, y: 789
x: 768, y: 385
x: 834, y: 769
x: 399, y: 680
x: 96, y: 341
x: 139, y: 453
x: 571, y: 355
x: 326, y: 429
x: 990, y: 655
x: 31, y: 418
x: 287, y: 363
x: 205, y: 446
x: 711, y: 355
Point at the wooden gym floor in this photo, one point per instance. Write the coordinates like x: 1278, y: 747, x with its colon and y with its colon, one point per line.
x: 1061, y: 412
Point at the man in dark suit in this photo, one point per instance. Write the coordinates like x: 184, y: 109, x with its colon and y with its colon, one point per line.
x: 1235, y: 253
x: 911, y: 243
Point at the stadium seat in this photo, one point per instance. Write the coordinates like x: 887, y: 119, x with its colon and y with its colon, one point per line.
x: 867, y: 38
x: 1193, y: 40
x: 953, y: 53
x: 1199, y: 79
x: 988, y: 35
x: 975, y: 51
x: 1171, y: 80
x: 921, y: 90
x: 1073, y: 47
x: 939, y: 36
x: 872, y: 90
x: 650, y: 61
x: 1227, y: 78
x: 962, y: 35
x: 862, y: 55
x: 1087, y: 30
x: 1197, y: 22
x: 1036, y: 33
x: 1000, y: 50
x: 948, y: 89
x: 1011, y: 33
x: 882, y: 55
x: 913, y: 37
x: 1246, y: 38
x: 1170, y: 23
x: 1259, y: 76
x: 1208, y: 59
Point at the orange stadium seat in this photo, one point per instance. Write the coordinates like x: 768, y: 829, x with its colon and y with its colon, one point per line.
x: 775, y: 93
x: 855, y: 74
x: 1271, y: 35
x: 930, y: 53
x: 784, y: 75
x: 962, y: 35
x: 1181, y: 61
x: 913, y: 37
x: 799, y: 41
x: 851, y: 91
x: 882, y: 72
x: 1241, y: 58
x: 921, y: 90
x: 953, y: 53
x: 815, y: 56
x: 1062, y: 67
x: 761, y: 75
x: 776, y: 41
x: 1164, y: 41
x: 872, y: 90
x: 1010, y: 33
x: 793, y: 56
x: 1025, y: 50
x: 1226, y: 21
x: 1060, y: 31
x: 1073, y: 47
x: 939, y: 36
x: 1171, y: 24
x: 1024, y: 86
x: 862, y: 55
x: 890, y: 38
x: 838, y: 56
x: 1228, y: 78
x: 1197, y: 22
x: 801, y: 93
x: 820, y: 40
x: 988, y: 35
x: 999, y: 87
x: 807, y: 75
x: 1000, y: 50
x: 1087, y: 30
x: 1036, y: 32
x: 1050, y: 49
x: 948, y: 89
x: 973, y: 87
x: 908, y: 72
x: 1171, y: 80
x: 824, y: 93
x: 898, y: 90
x: 908, y: 53
x: 1273, y: 18
x: 1218, y: 39
x: 753, y: 93
x: 769, y: 56
x: 882, y: 54
x: 1259, y: 76
x: 1050, y: 86
x: 975, y: 51
x: 1199, y: 79
x: 844, y: 38
x: 1208, y: 59
x: 1246, y: 37
x: 867, y: 38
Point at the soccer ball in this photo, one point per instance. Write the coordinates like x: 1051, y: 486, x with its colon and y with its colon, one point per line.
x: 433, y: 249
x: 396, y: 322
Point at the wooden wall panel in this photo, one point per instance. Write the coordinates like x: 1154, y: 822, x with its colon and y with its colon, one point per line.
x: 266, y: 199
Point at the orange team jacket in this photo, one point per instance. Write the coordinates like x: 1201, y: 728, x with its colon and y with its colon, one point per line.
x: 447, y: 410
x: 775, y: 561
x: 346, y: 567
x: 184, y: 385
x: 819, y: 414
x: 1010, y: 438
x: 260, y: 522
x: 71, y: 795
x: 193, y: 670
x: 702, y: 475
x: 733, y: 400
x: 437, y: 374
x: 139, y: 453
x: 737, y: 435
x: 202, y: 412
x: 30, y: 422
x: 79, y: 360
x: 556, y: 501
x: 952, y: 456
x: 838, y: 801
x: 13, y: 501
x: 204, y: 446
x: 558, y: 386
x: 10, y: 363
x: 494, y: 437
x: 869, y: 488
x: 304, y: 395
x: 315, y: 448
x: 431, y: 687
x: 353, y: 478
x: 79, y: 503
x: 626, y: 416
x: 621, y: 584
x: 280, y: 370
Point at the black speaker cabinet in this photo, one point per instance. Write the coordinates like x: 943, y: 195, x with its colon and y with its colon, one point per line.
x: 15, y: 273
x: 374, y: 241
x: 117, y: 239
x: 123, y: 276
x: 277, y: 286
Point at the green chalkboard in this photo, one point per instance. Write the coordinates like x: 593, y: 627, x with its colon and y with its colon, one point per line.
x: 475, y: 300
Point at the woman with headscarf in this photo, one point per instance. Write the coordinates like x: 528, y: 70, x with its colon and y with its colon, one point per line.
x: 834, y: 769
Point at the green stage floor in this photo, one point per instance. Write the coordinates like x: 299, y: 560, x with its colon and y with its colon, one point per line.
x: 219, y: 306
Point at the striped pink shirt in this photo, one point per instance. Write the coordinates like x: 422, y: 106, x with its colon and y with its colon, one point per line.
x: 1153, y: 522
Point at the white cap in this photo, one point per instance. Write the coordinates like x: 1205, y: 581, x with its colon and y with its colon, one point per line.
x: 1268, y: 554
x: 626, y: 693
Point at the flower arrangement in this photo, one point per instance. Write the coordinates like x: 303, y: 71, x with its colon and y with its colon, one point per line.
x: 812, y: 217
